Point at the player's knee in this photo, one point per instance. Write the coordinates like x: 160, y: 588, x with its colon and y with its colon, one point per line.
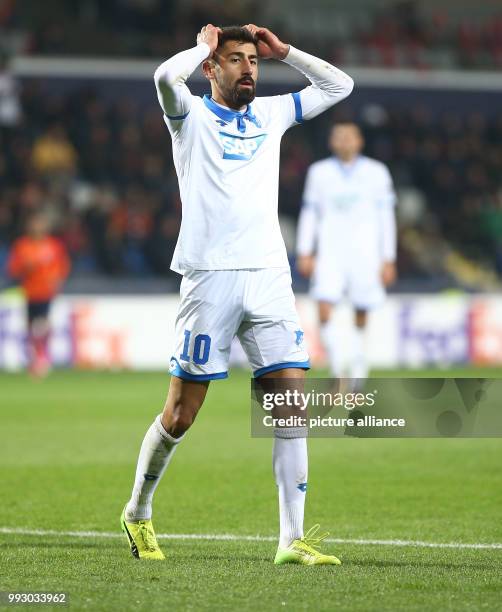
x: 361, y: 318
x: 181, y: 423
x: 179, y: 417
x: 325, y: 310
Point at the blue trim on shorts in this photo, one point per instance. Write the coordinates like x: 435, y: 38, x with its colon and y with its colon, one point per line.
x: 304, y: 365
x: 178, y: 371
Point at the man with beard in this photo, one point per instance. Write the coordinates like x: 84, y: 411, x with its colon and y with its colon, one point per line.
x: 236, y: 277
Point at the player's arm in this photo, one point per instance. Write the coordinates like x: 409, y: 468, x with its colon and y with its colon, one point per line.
x: 388, y: 230
x: 306, y: 235
x: 329, y: 84
x: 170, y: 77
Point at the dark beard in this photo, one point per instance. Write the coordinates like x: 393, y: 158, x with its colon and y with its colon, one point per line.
x: 242, y: 96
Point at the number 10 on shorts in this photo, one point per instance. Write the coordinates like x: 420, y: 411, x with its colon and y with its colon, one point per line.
x: 201, y: 348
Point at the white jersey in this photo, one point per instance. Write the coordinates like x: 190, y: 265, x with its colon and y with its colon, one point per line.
x: 348, y: 212
x: 228, y: 170
x: 228, y: 162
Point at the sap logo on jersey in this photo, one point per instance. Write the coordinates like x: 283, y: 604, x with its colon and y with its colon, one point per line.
x: 240, y: 147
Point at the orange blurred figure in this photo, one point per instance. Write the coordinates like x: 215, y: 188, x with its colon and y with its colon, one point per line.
x: 40, y: 263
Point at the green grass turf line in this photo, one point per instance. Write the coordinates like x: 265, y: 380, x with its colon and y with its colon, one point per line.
x: 67, y: 459
x: 227, y: 576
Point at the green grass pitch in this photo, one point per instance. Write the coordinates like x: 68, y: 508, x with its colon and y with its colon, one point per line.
x: 67, y: 457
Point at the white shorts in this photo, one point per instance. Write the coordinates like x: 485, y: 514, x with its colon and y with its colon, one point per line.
x: 358, y: 280
x: 257, y: 306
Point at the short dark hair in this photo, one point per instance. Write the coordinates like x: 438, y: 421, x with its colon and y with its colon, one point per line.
x: 237, y: 33
x: 347, y: 123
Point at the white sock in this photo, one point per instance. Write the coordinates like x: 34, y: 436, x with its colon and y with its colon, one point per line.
x: 156, y: 452
x: 290, y: 470
x: 332, y: 346
x: 359, y: 364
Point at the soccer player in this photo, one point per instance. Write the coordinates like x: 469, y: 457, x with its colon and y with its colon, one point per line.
x: 236, y: 278
x: 40, y: 263
x: 347, y: 239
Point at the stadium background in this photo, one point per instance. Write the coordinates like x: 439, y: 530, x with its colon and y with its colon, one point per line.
x: 82, y: 137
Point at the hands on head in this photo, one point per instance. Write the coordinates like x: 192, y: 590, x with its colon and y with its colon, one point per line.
x: 209, y: 35
x: 269, y: 46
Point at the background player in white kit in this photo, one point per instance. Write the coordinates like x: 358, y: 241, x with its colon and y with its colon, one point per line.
x: 236, y: 279
x: 347, y: 239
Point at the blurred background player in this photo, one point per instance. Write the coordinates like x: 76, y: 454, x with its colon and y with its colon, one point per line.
x: 347, y: 240
x: 40, y: 263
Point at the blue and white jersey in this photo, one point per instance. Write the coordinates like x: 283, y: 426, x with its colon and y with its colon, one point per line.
x: 348, y: 211
x: 228, y: 162
x: 228, y: 170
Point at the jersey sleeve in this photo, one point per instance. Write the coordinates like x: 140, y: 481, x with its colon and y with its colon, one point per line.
x: 386, y: 193
x: 170, y: 79
x: 309, y: 217
x: 329, y: 85
x: 386, y: 201
x: 289, y: 110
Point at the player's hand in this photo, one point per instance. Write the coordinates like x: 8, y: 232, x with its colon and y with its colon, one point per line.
x: 388, y: 273
x: 305, y: 265
x: 269, y: 46
x: 209, y: 35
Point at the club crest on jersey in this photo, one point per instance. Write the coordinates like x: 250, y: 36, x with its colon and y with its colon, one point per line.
x: 240, y: 147
x: 299, y: 336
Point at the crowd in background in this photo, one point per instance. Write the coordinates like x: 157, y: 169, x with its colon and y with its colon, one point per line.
x: 104, y: 175
x: 455, y: 161
x: 400, y: 33
x: 103, y: 171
